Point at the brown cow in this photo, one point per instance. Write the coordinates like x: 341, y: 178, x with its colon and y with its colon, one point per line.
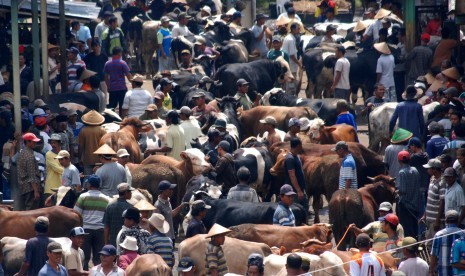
x: 148, y: 264
x: 149, y: 46
x: 358, y: 206
x: 275, y: 235
x: 250, y: 119
x: 20, y: 224
x: 127, y: 137
x: 314, y: 246
x: 321, y: 134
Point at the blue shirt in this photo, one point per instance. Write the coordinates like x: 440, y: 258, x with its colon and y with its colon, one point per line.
x: 348, y: 171
x: 48, y: 270
x: 410, y: 115
x: 283, y: 216
x: 160, y: 244
x: 457, y: 255
x: 346, y: 118
x: 36, y: 253
x: 442, y: 245
x: 435, y: 146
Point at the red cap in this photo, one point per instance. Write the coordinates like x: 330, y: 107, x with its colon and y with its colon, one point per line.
x: 40, y: 121
x: 403, y: 156
x: 392, y: 219
x: 30, y: 137
x: 425, y: 37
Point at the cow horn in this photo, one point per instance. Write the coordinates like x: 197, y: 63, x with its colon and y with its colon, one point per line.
x: 371, y: 178
x: 393, y: 179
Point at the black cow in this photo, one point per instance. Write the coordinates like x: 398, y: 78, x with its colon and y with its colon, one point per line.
x: 228, y: 105
x: 187, y: 101
x: 77, y: 101
x: 363, y: 70
x: 262, y: 74
x: 313, y: 63
x: 233, y: 52
x: 218, y: 34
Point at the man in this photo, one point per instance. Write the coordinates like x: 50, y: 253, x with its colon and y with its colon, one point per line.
x: 435, y: 200
x: 28, y: 174
x: 341, y: 84
x: 70, y: 176
x: 215, y: 261
x: 374, y: 101
x: 198, y: 211
x: 53, y: 66
x: 285, y: 14
x: 53, y: 168
x: 399, y: 142
x: 294, y: 174
x: 164, y: 36
x: 444, y: 50
x: 269, y: 124
x: 53, y: 265
x: 103, y: 25
x: 276, y: 52
x: 436, y: 143
x: 166, y: 87
x: 372, y: 32
x: 151, y: 113
x: 72, y: 66
x: 283, y: 214
x: 419, y: 158
x: 294, y: 128
x: 180, y: 29
x: 459, y: 166
x: 419, y: 59
x: 408, y: 186
x: 389, y: 226
x: 260, y: 32
x: 163, y: 205
x: 289, y: 46
x: 131, y: 228
x: 95, y: 61
x: 73, y: 259
x: 224, y: 168
x: 158, y: 242
x: 242, y: 191
x: 186, y: 267
x: 454, y: 198
x: 385, y: 71
x: 236, y: 25
x: 348, y: 171
x: 115, y: 71
x: 25, y: 74
x: 81, y: 33
x: 220, y: 125
x: 111, y: 173
x: 190, y: 126
x: 201, y: 110
x: 113, y: 213
x: 74, y: 127
x: 293, y: 265
x: 328, y: 37
x: 440, y: 259
x: 241, y: 95
x: 113, y: 37
x: 175, y: 137
x: 210, y: 147
x: 109, y: 260
x: 91, y: 206
x: 122, y: 156
x: 158, y: 98
x: 136, y: 100
x: 365, y: 262
x: 36, y: 249
x: 410, y: 114
x: 89, y: 139
x: 412, y: 264
x: 457, y: 256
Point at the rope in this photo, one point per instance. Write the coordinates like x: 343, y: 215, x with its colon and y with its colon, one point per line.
x: 343, y: 237
x: 388, y: 251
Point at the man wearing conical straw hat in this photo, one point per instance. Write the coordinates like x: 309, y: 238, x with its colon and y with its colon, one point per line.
x: 88, y: 140
x: 372, y: 32
x: 111, y: 173
x: 215, y: 260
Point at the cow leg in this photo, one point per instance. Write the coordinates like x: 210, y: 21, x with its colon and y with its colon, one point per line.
x: 316, y: 208
x: 148, y: 61
x: 309, y: 91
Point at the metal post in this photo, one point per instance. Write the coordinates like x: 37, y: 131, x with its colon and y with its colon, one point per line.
x: 15, y: 61
x: 409, y: 22
x: 44, y: 40
x: 35, y: 47
x: 63, y: 71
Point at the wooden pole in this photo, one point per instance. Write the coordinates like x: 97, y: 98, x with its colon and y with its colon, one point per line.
x: 44, y: 40
x: 63, y: 54
x: 35, y: 49
x: 15, y: 61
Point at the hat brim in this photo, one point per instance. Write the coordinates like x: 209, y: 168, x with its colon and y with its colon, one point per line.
x: 290, y: 193
x: 186, y: 269
x: 123, y: 155
x: 106, y: 253
x: 34, y: 140
x: 384, y: 209
x: 93, y: 123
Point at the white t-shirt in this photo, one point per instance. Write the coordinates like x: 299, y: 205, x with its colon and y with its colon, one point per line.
x: 284, y: 14
x: 343, y: 66
x: 70, y: 176
x: 290, y: 47
x: 136, y: 101
x: 414, y: 266
x: 180, y: 31
x: 73, y: 259
x: 176, y: 140
x: 99, y: 29
x: 192, y: 130
x: 385, y: 66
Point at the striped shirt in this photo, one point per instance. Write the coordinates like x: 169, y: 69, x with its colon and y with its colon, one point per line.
x: 160, y: 244
x: 442, y: 246
x: 408, y: 184
x: 348, y: 171
x: 72, y: 71
x: 117, y: 69
x: 91, y: 205
x: 214, y: 259
x: 283, y: 216
x: 242, y: 192
x: 436, y: 191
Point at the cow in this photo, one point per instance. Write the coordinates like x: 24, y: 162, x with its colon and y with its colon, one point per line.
x: 314, y: 61
x: 126, y: 138
x: 235, y: 251
x: 321, y: 167
x: 20, y: 224
x: 148, y: 264
x: 233, y: 52
x: 150, y: 46
x: 358, y: 206
x: 77, y: 101
x: 261, y: 74
x: 274, y: 235
x: 321, y: 134
x: 250, y: 119
x: 324, y: 108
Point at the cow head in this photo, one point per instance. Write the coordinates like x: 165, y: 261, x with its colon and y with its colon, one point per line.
x: 137, y: 124
x: 228, y: 103
x: 270, y: 97
x: 284, y: 72
x: 382, y: 189
x: 278, y: 167
x: 316, y: 127
x: 196, y: 159
x: 222, y: 30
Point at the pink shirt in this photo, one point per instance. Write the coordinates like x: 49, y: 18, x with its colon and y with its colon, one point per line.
x: 127, y: 258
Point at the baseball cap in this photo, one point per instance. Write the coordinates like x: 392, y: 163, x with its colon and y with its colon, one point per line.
x: 269, y: 120
x: 185, y: 51
x: 286, y: 189
x: 30, y: 137
x: 452, y: 215
x: 220, y: 123
x: 340, y: 145
x: 294, y: 122
x: 385, y: 206
x: 434, y: 127
x: 73, y: 50
x: 425, y: 37
x: 165, y: 19
x: 42, y: 221
x: 77, y: 231
x: 185, y: 110
x: 122, y: 153
x: 363, y: 240
x: 410, y: 243
x: 165, y: 81
x: 414, y: 141
x: 94, y: 180
x: 54, y: 247
x: 260, y: 16
x: 200, y: 205
x: 403, y: 156
x: 199, y: 94
x: 39, y: 103
x: 241, y: 82
x: 450, y: 172
x: 185, y: 264
x: 108, y: 250
x: 151, y: 107
x: 123, y: 187
x: 55, y: 137
x: 224, y: 145
x: 39, y: 112
x: 159, y: 95
x: 391, y: 218
x: 165, y: 185
x: 236, y: 14
x: 331, y: 27
x: 183, y: 15
x: 433, y: 163
x: 132, y: 213
x: 62, y: 154
x: 107, y: 13
x: 276, y: 38
x: 200, y: 41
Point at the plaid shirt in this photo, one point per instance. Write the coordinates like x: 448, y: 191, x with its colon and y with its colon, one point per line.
x: 242, y: 192
x: 28, y: 170
x: 113, y: 217
x: 442, y: 248
x: 408, y: 184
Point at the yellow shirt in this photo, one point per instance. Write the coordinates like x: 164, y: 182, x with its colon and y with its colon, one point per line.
x: 167, y: 102
x: 54, y: 172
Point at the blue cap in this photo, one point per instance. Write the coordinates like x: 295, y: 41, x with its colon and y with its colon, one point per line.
x: 74, y: 50
x: 286, y: 189
x: 165, y: 185
x: 236, y: 14
x: 220, y: 123
x: 414, y: 141
x: 108, y: 250
x: 224, y: 145
x: 94, y: 180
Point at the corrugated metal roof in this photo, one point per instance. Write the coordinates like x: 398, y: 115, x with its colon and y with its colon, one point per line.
x: 82, y: 10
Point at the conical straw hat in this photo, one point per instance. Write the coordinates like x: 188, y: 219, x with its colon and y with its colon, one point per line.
x: 401, y: 135
x: 382, y: 48
x: 382, y: 13
x: 359, y: 26
x: 451, y: 73
x: 87, y: 74
x: 282, y: 21
x: 217, y: 230
x: 93, y: 118
x: 144, y: 205
x: 105, y: 149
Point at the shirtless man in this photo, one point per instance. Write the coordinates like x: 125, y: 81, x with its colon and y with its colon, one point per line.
x: 270, y: 124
